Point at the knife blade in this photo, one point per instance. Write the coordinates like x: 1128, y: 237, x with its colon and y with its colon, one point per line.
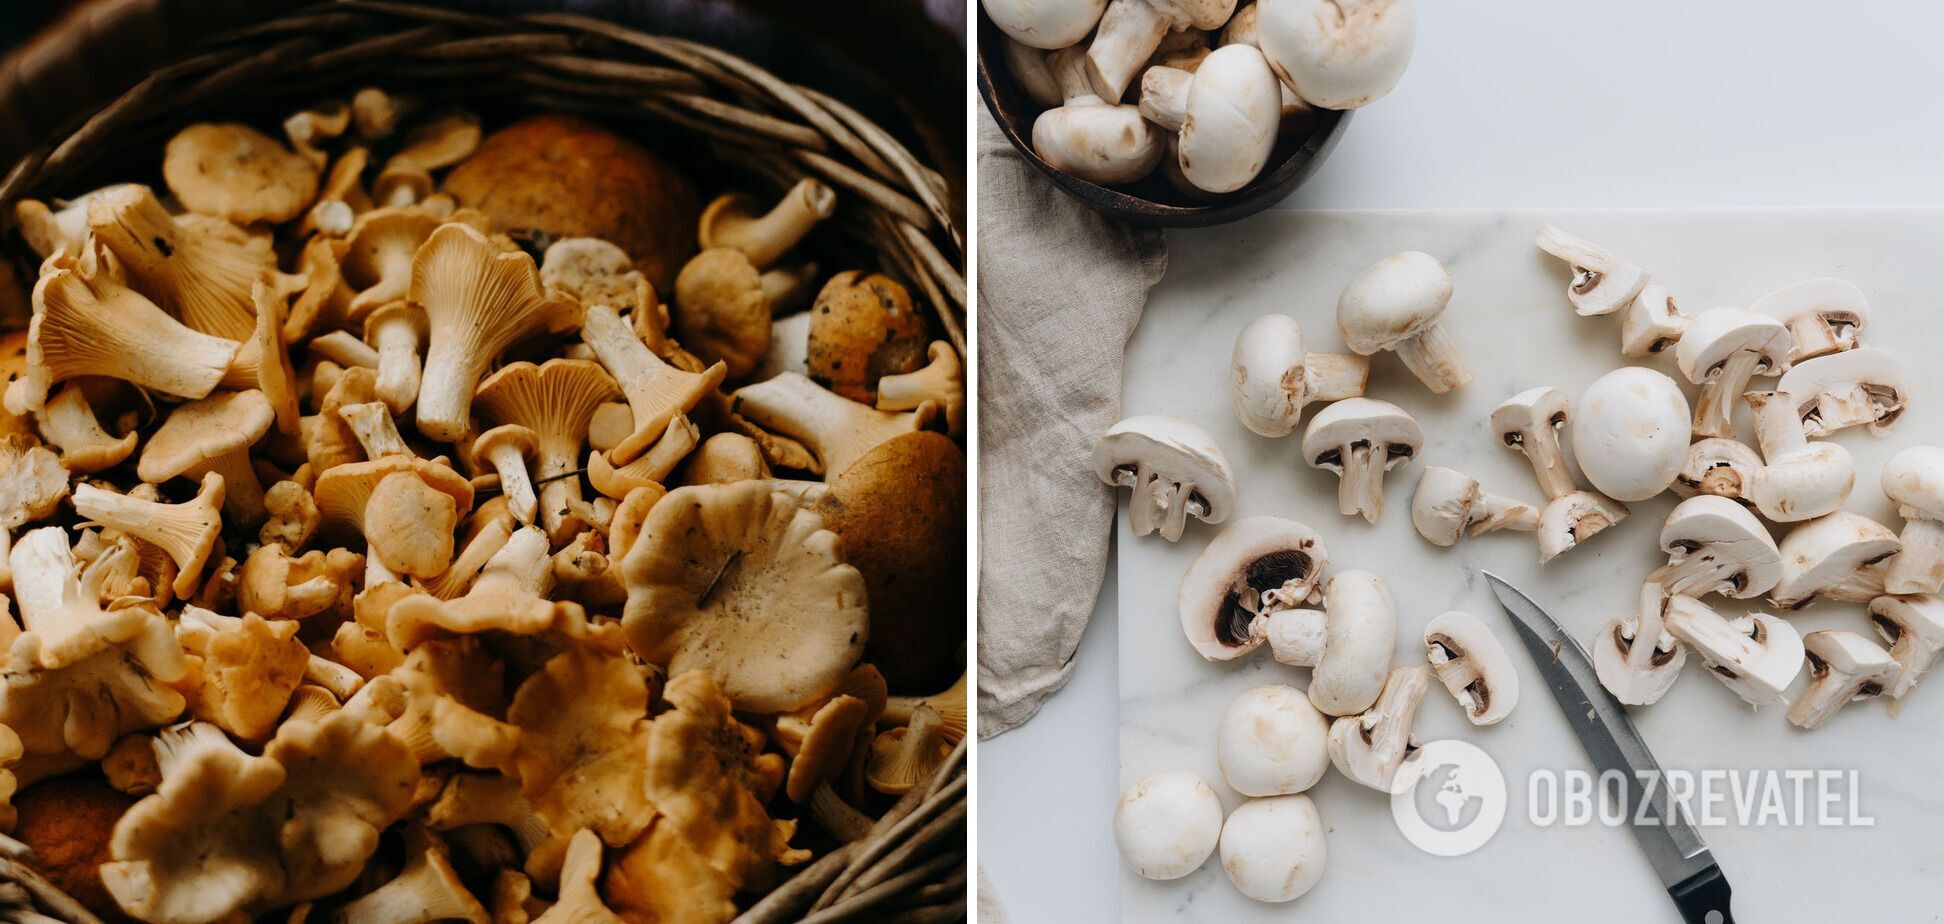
x: 1684, y: 863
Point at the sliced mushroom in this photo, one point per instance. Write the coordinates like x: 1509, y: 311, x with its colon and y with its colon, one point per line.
x: 1529, y: 422
x: 1448, y: 501
x: 1272, y: 742
x: 1913, y: 479
x: 1630, y: 433
x: 1472, y: 665
x: 1398, y: 304
x: 1757, y: 655
x: 1652, y: 324
x: 1370, y: 747
x: 1359, y: 439
x: 1173, y: 470
x: 1837, y: 557
x: 1824, y: 315
x: 1913, y: 625
x: 1847, y: 389
x: 1720, y: 352
x: 1719, y: 468
x: 1273, y: 849
x: 1167, y: 824
x: 1602, y: 282
x: 1275, y: 376
x: 1636, y: 658
x: 1715, y: 545
x: 1800, y: 480
x: 1844, y: 667
x: 1254, y: 568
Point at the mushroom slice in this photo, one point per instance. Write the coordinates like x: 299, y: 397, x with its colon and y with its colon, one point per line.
x: 1636, y: 658
x: 1273, y: 849
x: 656, y: 391
x: 1360, y: 439
x: 1715, y: 545
x: 736, y: 221
x: 1837, y: 557
x: 940, y: 382
x: 32, y: 482
x: 186, y: 531
x: 199, y: 270
x: 1720, y: 352
x: 1173, y: 469
x: 1472, y: 665
x: 1757, y: 656
x: 1844, y: 666
x: 1719, y: 468
x: 1847, y: 389
x: 1630, y: 433
x: 1358, y: 638
x: 1272, y: 742
x: 213, y: 435
x: 1529, y: 423
x: 1602, y: 282
x: 235, y: 172
x: 478, y: 300
x: 1338, y: 56
x: 94, y: 325
x: 1447, y: 501
x: 1913, y: 625
x: 1571, y: 519
x: 1167, y: 824
x: 1824, y: 315
x: 1398, y: 304
x: 1275, y: 376
x: 1225, y: 114
x: 1652, y: 324
x: 1913, y: 479
x: 1801, y: 480
x: 1255, y: 567
x: 741, y: 582
x: 555, y: 400
x: 1370, y: 747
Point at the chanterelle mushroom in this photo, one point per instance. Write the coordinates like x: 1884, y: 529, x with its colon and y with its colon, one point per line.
x: 1167, y: 824
x: 1824, y: 315
x: 1448, y: 501
x: 741, y: 582
x: 1838, y: 557
x: 213, y: 434
x: 1173, y: 470
x: 405, y: 507
x: 1913, y: 479
x: 1913, y: 625
x: 1338, y: 55
x: 1360, y: 439
x: 656, y: 391
x: 941, y: 382
x: 1255, y: 568
x: 737, y: 222
x: 1757, y: 655
x: 555, y: 400
x: 236, y: 172
x: 1398, y: 304
x: 186, y: 531
x: 1602, y: 283
x: 1637, y: 659
x: 199, y: 270
x: 1272, y: 742
x: 1275, y: 376
x: 1370, y: 747
x: 1844, y: 666
x: 1720, y: 352
x: 1471, y: 663
x: 1224, y: 113
x: 1715, y: 545
x: 69, y: 424
x: 32, y: 482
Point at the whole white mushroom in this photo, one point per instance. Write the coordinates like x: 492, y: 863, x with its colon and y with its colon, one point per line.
x: 1167, y: 825
x: 1337, y: 54
x: 1273, y: 849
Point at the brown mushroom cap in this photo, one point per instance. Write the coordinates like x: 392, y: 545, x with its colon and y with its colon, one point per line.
x: 67, y: 821
x: 236, y: 172
x: 900, y: 511
x: 344, y: 494
x: 572, y: 178
x: 720, y: 311
x: 863, y: 327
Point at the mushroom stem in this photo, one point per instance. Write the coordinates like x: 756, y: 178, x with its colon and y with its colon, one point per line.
x: 97, y: 326
x: 836, y: 817
x: 1814, y: 335
x: 1549, y: 465
x: 1433, y: 357
x: 764, y: 238
x: 242, y: 492
x: 1332, y: 376
x: 478, y: 550
x: 340, y: 347
x: 788, y: 288
x: 656, y: 391
x: 452, y: 369
x: 1777, y: 428
x: 1129, y: 32
x: 1714, y: 409
x: 372, y: 423
x: 1360, y: 490
x: 1919, y: 568
x: 1700, y: 569
x: 396, y: 338
x: 1494, y: 512
x: 510, y: 463
x: 428, y: 890
x: 1164, y: 96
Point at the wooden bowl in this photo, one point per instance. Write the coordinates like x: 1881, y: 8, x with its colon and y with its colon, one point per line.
x: 1153, y: 202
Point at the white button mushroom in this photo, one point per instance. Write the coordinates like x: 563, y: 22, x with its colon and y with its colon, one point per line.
x: 1800, y: 480
x: 1097, y: 140
x: 1398, y: 304
x: 1757, y: 655
x: 1130, y: 31
x: 1044, y: 23
x: 1360, y: 635
x: 1824, y: 315
x: 1275, y: 377
x: 1839, y: 557
x: 1722, y: 468
x: 1721, y: 351
x: 1913, y: 624
x: 1241, y: 30
x: 1167, y: 825
x: 1715, y: 545
x: 1472, y: 665
x: 1360, y: 439
x: 1843, y: 667
x: 1653, y: 323
x: 1914, y: 480
x: 1369, y: 748
x: 1447, y: 501
x: 1602, y: 283
x: 1273, y: 849
x: 1637, y: 660
x: 1255, y: 567
x: 1224, y: 113
x: 1272, y: 742
x: 1847, y: 389
x: 1631, y: 433
x: 1338, y: 54
x: 1174, y: 470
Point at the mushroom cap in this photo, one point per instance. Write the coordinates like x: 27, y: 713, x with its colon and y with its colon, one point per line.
x: 570, y: 177
x: 1097, y: 142
x: 1393, y: 300
x: 1234, y: 109
x: 1473, y: 666
x: 1721, y: 530
x: 379, y: 241
x: 1719, y: 333
x: 720, y: 311
x: 1441, y: 507
x: 591, y: 270
x: 1269, y: 387
x: 1838, y: 556
x: 1338, y: 55
x: 1273, y: 849
x: 342, y: 491
x: 1221, y: 598
x: 1631, y: 433
x: 1757, y: 656
x: 1167, y: 825
x: 863, y: 327
x: 1272, y: 742
x: 1380, y: 423
x: 1043, y: 24
x: 202, y: 431
x: 741, y: 582
x: 1913, y: 479
x: 513, y: 435
x: 1361, y: 633
x: 1877, y: 372
x: 1172, y: 445
x: 1572, y: 518
x: 1824, y: 297
x: 236, y: 172
x: 556, y: 400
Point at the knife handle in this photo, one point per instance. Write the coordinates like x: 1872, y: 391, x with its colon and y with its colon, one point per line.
x: 1703, y: 897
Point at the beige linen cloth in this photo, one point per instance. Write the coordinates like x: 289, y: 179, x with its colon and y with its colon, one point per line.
x: 1060, y: 289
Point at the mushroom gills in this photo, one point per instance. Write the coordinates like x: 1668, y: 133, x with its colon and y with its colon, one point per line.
x: 1262, y: 587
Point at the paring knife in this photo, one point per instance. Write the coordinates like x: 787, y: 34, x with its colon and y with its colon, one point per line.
x: 1684, y: 863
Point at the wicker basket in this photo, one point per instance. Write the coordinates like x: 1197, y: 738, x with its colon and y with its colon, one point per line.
x: 911, y: 866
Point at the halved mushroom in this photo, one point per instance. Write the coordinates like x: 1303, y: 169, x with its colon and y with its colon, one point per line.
x: 1360, y: 439
x: 1715, y: 545
x: 1757, y: 655
x: 1720, y: 352
x: 1225, y: 114
x: 1636, y: 658
x: 1167, y: 824
x: 1913, y: 479
x: 1472, y: 665
x: 1847, y: 389
x: 1824, y: 315
x: 1448, y: 501
x: 1602, y: 282
x: 1273, y: 849
x: 1253, y: 569
x: 1839, y: 556
x: 1913, y: 625
x: 1398, y: 304
x: 1173, y: 470
x: 1844, y: 667
x: 1272, y: 742
x: 1653, y: 323
x: 1630, y: 433
x: 1275, y: 376
x: 1530, y: 422
x: 1720, y: 468
x: 1370, y: 747
x: 1800, y: 480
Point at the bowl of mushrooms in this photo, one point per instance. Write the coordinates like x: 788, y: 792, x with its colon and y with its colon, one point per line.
x: 426, y: 501
x: 1185, y: 113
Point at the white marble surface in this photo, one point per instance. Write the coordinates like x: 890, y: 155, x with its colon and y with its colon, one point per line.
x: 1510, y: 316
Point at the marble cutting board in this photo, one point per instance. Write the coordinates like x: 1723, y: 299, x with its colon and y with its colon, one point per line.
x: 1510, y: 315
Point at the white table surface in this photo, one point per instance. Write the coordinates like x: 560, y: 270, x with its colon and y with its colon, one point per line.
x: 1529, y: 103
